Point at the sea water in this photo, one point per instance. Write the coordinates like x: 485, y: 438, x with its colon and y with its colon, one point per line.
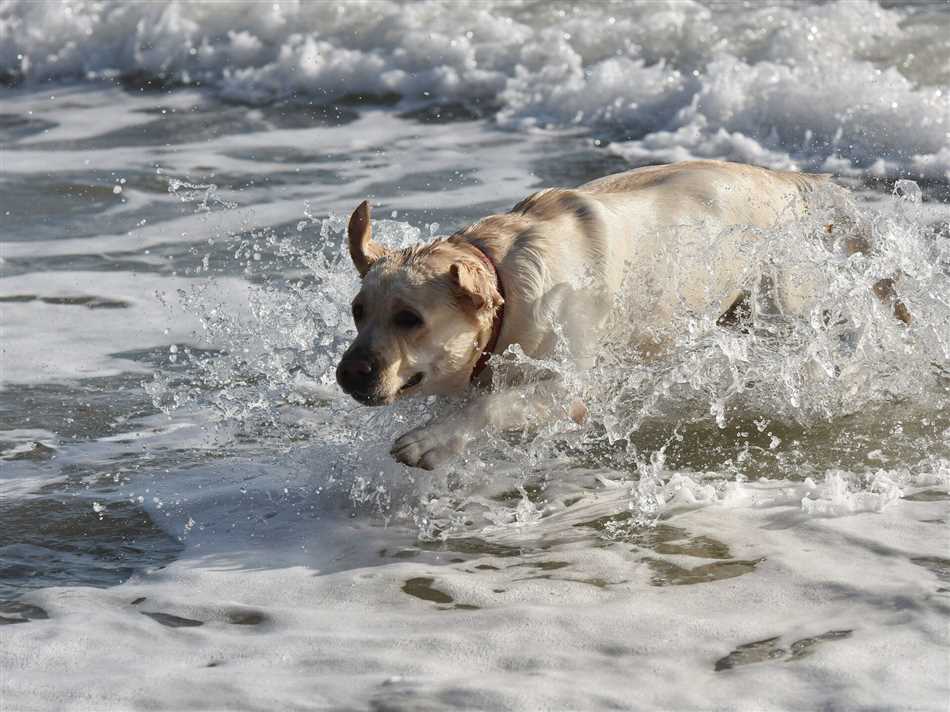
x: 193, y: 516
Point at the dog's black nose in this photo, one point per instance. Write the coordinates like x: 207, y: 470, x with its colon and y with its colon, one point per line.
x: 357, y: 373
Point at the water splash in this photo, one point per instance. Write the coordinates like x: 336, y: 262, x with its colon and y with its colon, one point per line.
x: 758, y: 400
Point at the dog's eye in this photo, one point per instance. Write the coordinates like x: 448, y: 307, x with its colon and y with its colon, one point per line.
x: 357, y: 313
x: 407, y: 319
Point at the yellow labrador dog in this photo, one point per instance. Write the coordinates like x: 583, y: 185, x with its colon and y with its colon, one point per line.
x: 547, y: 272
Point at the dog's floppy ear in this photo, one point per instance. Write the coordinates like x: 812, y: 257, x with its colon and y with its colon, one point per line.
x: 363, y: 250
x: 475, y: 286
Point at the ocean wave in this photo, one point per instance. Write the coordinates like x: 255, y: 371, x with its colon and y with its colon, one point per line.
x: 849, y: 87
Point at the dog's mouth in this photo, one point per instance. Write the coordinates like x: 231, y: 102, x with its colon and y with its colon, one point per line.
x: 370, y: 399
x: 412, y: 382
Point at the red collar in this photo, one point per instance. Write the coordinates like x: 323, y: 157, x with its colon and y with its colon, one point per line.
x: 498, y: 318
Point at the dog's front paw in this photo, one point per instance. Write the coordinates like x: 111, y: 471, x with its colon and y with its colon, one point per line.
x: 427, y: 447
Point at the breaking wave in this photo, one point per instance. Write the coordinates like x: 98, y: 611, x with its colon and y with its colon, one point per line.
x: 848, y: 87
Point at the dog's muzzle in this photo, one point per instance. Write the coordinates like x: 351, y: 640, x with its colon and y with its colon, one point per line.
x: 358, y: 376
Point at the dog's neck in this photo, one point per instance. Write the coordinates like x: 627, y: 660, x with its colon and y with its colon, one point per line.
x: 498, y: 317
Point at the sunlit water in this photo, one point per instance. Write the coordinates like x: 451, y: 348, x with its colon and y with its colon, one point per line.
x: 175, y: 296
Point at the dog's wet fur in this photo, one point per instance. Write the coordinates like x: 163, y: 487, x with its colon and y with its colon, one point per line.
x: 424, y: 314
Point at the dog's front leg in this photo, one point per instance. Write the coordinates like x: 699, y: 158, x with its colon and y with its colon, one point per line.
x: 446, y: 437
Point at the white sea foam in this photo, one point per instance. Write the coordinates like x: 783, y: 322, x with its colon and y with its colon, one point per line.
x: 563, y: 625
x: 85, y: 318
x: 844, y: 86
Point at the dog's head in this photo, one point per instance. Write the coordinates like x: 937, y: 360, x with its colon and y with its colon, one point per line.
x: 422, y: 316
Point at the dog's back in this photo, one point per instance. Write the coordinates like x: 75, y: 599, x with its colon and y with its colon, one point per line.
x: 677, y: 240
x: 692, y: 229
x: 680, y: 234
